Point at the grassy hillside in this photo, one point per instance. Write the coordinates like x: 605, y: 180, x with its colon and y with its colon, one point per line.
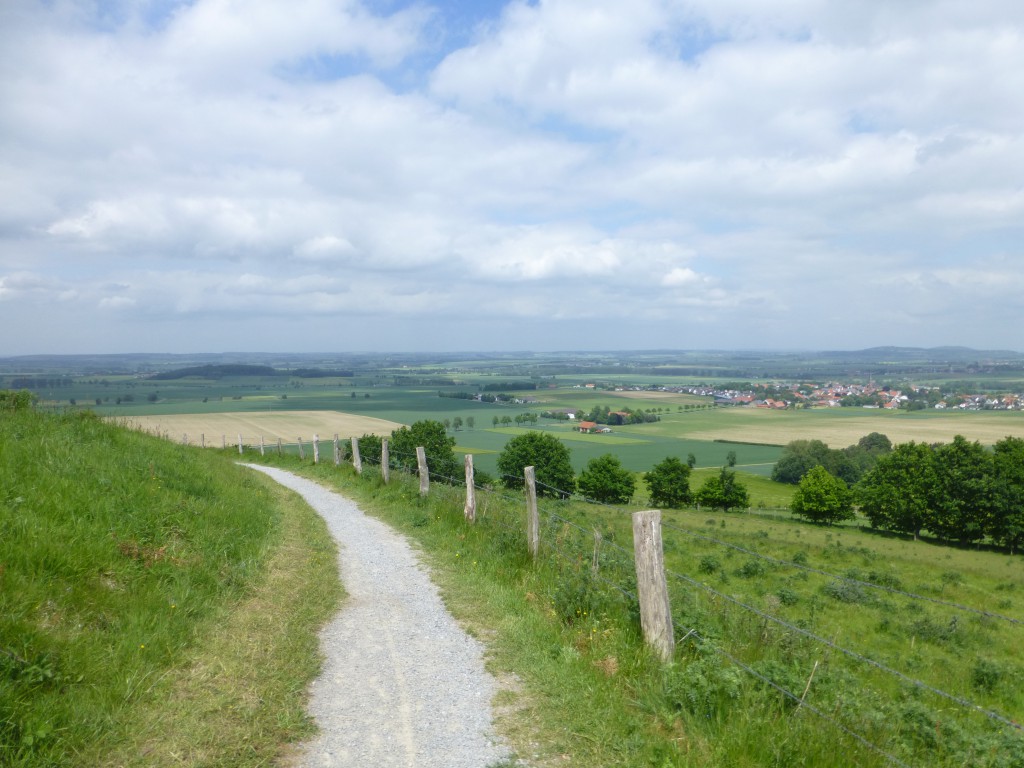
x: 786, y: 656
x: 147, y: 613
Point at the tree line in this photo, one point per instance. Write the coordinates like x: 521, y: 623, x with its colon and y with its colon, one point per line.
x: 603, y: 480
x: 959, y: 491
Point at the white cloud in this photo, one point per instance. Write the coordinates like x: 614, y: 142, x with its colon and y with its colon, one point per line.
x: 659, y: 163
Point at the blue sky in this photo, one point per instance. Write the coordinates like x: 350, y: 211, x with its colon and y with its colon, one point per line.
x: 335, y: 175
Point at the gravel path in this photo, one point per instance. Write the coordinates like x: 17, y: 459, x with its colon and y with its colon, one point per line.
x: 402, y: 685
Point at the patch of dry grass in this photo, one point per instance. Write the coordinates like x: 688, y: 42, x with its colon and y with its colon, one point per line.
x: 286, y: 425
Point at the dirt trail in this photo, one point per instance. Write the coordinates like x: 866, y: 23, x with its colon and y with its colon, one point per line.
x: 403, y: 684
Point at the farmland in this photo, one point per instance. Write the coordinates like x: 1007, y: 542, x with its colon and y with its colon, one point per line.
x: 272, y: 425
x: 378, y: 393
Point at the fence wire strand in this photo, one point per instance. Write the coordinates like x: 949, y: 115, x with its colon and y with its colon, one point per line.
x: 859, y: 582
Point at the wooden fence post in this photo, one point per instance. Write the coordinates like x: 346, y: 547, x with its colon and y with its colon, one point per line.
x: 532, y: 517
x: 596, y: 565
x: 421, y: 460
x: 651, y: 586
x: 337, y: 451
x: 202, y: 439
x: 280, y: 448
x: 316, y: 448
x: 239, y: 445
x: 302, y: 451
x: 357, y: 460
x: 262, y: 447
x: 184, y: 439
x: 470, y: 509
x: 224, y: 442
x: 385, y: 460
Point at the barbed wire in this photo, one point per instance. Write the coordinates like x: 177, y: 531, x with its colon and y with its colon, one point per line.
x: 848, y: 579
x: 852, y: 654
x: 800, y: 702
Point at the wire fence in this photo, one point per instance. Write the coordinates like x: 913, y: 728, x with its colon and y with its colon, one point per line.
x: 577, y: 548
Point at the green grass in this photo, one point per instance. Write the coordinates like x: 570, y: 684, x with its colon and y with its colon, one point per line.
x: 589, y: 694
x: 123, y: 561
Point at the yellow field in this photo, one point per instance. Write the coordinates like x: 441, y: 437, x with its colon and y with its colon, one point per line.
x: 287, y: 425
x: 839, y: 429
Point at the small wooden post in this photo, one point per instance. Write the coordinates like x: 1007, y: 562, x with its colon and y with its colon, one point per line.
x: 280, y: 448
x: 239, y: 445
x: 316, y: 448
x: 596, y: 565
x: 302, y: 451
x: 652, y: 589
x: 224, y: 441
x: 532, y: 517
x: 337, y: 451
x: 470, y: 509
x: 184, y: 439
x: 262, y: 447
x: 385, y: 460
x: 202, y: 439
x: 357, y: 460
x: 421, y: 460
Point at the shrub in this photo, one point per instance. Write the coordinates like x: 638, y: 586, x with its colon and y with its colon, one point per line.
x: 709, y: 564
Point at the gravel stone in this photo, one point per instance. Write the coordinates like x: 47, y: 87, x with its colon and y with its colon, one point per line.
x: 402, y: 684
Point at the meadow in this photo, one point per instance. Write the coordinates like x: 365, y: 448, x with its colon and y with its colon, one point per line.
x: 796, y: 644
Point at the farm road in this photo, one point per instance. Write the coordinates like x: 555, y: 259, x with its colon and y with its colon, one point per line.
x: 402, y: 684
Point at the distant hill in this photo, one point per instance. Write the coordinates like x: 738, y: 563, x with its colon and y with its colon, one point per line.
x: 218, y: 372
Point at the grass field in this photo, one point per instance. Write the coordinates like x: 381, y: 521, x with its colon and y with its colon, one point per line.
x: 588, y: 693
x: 287, y: 425
x: 158, y: 604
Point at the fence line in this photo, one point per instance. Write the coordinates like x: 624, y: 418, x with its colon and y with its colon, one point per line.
x: 848, y: 579
x: 576, y: 557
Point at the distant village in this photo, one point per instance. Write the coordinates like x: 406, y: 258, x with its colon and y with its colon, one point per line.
x: 847, y: 395
x: 836, y: 395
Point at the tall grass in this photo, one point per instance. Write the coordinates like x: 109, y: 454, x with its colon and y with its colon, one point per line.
x: 119, y: 556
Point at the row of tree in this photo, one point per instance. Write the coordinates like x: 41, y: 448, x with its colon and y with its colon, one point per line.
x: 604, y: 479
x: 959, y: 491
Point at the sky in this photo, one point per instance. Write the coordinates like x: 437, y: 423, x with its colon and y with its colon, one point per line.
x: 379, y: 175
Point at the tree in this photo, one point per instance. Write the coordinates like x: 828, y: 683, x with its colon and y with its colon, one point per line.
x: 1007, y: 525
x: 607, y: 481
x: 669, y: 483
x: 547, y: 455
x: 822, y: 498
x: 722, y: 491
x: 457, y: 423
x: 691, y: 459
x: 875, y: 442
x: 438, y: 446
x: 961, y: 501
x: 730, y: 459
x: 895, y: 494
x: 495, y: 421
x: 800, y: 455
x: 470, y: 422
